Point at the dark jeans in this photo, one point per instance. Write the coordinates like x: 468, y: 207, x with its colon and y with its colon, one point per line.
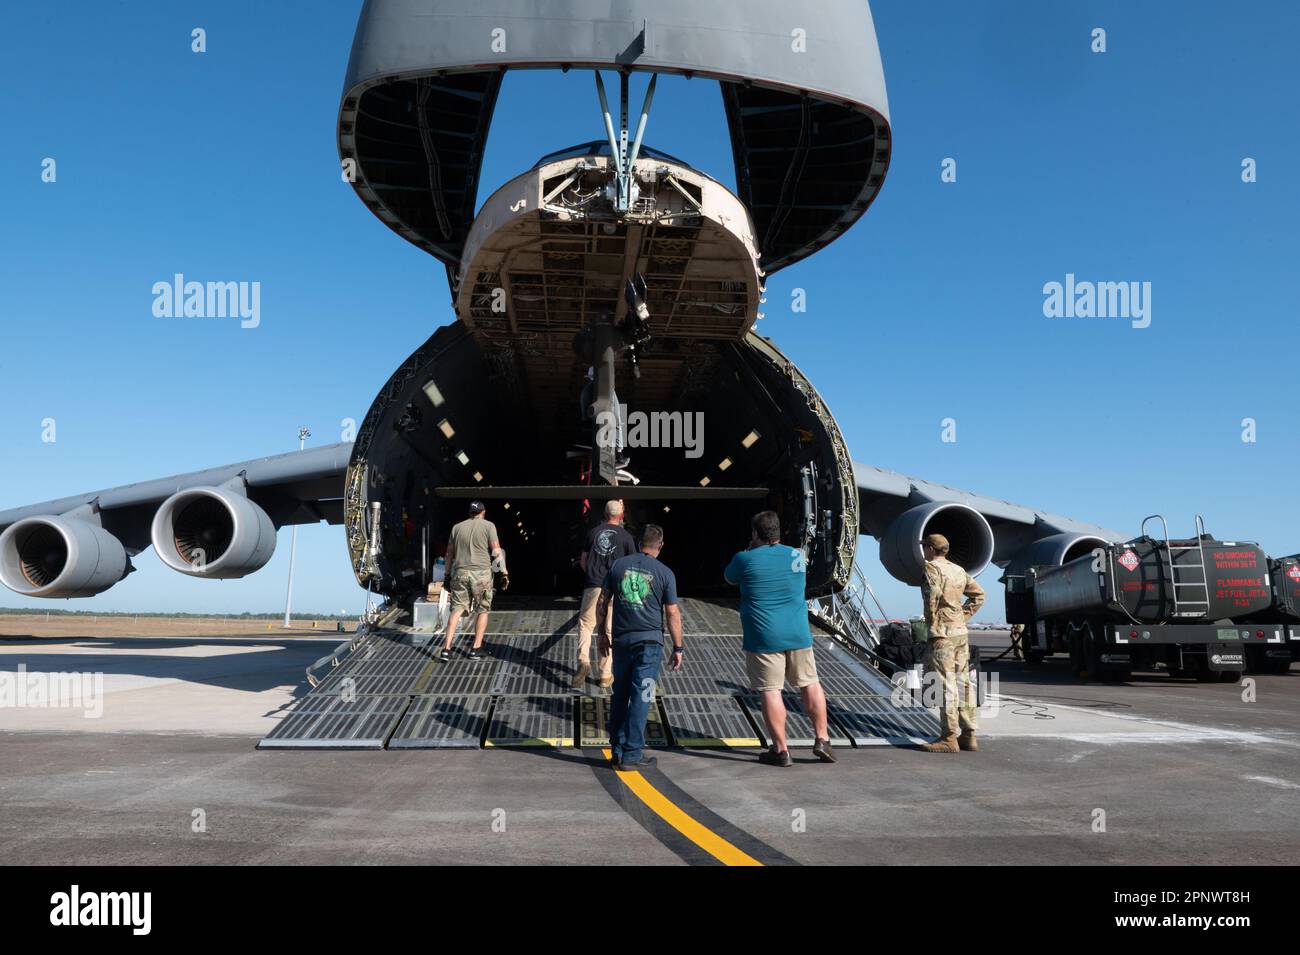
x: 636, y: 667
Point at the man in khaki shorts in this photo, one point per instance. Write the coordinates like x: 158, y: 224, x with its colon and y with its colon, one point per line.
x: 472, y: 552
x: 778, y: 644
x: 606, y: 543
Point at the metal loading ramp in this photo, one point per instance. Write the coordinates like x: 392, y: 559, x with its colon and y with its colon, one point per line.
x: 392, y: 692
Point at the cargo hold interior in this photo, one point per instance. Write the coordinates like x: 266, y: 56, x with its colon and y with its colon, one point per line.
x: 457, y: 418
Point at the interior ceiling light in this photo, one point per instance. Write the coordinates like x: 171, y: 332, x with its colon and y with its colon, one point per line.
x: 478, y: 476
x: 724, y: 464
x: 462, y: 457
x: 750, y: 439
x: 433, y: 394
x: 704, y: 482
x: 445, y: 427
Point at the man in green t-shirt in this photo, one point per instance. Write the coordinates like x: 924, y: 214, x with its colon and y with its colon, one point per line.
x: 473, y: 551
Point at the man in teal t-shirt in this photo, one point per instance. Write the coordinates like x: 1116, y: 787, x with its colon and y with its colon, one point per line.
x: 778, y: 644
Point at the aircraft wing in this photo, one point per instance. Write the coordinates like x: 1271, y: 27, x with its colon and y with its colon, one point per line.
x: 101, y: 529
x: 899, y: 510
x: 301, y: 487
x: 218, y: 523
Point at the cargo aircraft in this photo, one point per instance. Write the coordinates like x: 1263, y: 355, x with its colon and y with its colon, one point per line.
x: 607, y: 281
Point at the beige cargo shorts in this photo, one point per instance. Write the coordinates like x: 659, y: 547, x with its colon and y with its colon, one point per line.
x: 471, y: 593
x: 771, y: 671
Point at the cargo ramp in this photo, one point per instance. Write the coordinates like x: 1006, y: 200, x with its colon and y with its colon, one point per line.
x: 388, y: 690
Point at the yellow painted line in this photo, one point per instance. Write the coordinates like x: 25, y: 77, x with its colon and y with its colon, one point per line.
x: 734, y: 742
x: 557, y: 742
x: 669, y: 812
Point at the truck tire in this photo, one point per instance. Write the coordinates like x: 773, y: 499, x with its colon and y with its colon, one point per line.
x: 1085, y: 654
x: 1032, y: 655
x: 1075, y: 640
x: 1258, y: 661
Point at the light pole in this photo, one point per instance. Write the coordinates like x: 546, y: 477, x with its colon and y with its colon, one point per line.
x: 303, y: 435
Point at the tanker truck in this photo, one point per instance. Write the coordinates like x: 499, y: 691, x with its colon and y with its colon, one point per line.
x: 1192, y: 607
x: 1275, y: 656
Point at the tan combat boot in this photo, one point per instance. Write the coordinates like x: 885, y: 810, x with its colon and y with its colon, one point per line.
x: 967, y: 742
x: 945, y: 744
x: 580, y: 678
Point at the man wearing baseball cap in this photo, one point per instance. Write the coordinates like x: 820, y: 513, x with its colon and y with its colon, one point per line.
x: 948, y: 650
x: 473, y: 551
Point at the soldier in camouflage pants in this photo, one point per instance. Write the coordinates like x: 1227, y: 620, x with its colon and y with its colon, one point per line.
x: 948, y: 651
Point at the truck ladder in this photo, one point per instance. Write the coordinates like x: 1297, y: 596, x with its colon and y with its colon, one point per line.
x: 1186, y: 607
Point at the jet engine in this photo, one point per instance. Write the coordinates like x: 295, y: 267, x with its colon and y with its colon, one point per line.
x: 970, y: 539
x: 213, y: 532
x: 60, y: 557
x: 1053, y: 551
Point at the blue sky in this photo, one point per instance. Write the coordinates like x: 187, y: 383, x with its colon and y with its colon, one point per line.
x: 1120, y: 166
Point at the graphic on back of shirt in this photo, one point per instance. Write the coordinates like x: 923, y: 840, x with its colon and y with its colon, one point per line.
x: 604, y: 543
x: 635, y: 587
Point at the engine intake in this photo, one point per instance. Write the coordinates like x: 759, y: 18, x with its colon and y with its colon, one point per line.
x: 970, y: 539
x: 213, y: 532
x: 60, y: 557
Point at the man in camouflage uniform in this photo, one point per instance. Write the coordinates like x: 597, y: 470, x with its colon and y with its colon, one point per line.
x: 1018, y: 641
x: 948, y: 650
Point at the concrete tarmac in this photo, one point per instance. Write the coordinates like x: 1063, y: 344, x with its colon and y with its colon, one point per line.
x: 1174, y: 772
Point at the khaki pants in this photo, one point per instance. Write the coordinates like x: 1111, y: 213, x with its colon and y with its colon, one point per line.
x: 949, y: 657
x: 603, y: 667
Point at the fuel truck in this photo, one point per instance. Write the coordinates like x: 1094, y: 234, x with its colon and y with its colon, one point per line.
x: 1275, y: 656
x: 1201, y: 607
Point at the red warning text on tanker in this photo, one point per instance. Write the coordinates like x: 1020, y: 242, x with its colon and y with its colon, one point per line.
x: 1242, y: 591
x: 1235, y: 559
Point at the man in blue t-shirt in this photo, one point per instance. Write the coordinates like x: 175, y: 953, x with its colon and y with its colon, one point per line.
x: 778, y: 645
x: 644, y: 594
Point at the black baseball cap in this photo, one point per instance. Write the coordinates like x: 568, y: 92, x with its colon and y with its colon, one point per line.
x: 477, y: 507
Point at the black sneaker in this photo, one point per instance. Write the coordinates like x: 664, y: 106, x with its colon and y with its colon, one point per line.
x: 645, y: 762
x: 476, y: 654
x: 444, y: 656
x: 771, y: 757
x: 822, y: 750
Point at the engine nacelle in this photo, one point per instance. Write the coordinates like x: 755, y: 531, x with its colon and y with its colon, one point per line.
x: 60, y: 557
x: 213, y: 532
x: 970, y: 539
x: 1046, y: 552
x: 1053, y: 551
